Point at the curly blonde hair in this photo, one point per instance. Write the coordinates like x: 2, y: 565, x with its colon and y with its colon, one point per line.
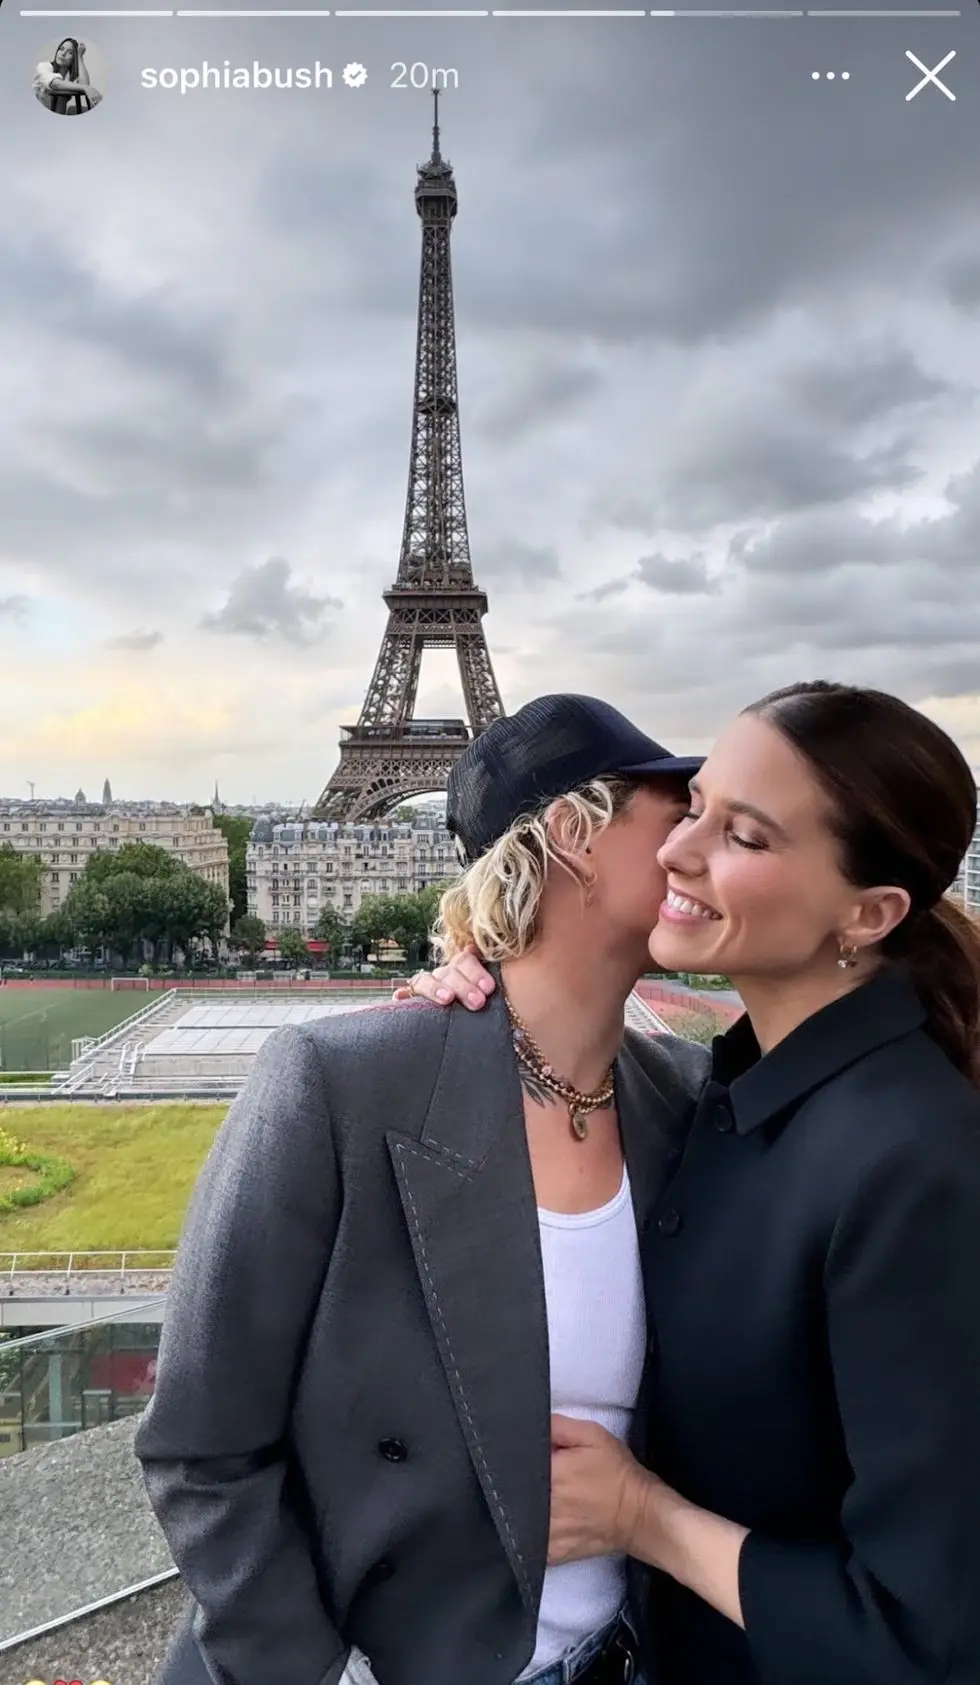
x: 497, y: 901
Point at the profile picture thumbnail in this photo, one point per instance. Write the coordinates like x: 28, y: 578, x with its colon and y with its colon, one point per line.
x: 67, y: 78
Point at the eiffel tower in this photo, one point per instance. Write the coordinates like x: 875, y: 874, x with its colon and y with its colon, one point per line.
x: 390, y: 755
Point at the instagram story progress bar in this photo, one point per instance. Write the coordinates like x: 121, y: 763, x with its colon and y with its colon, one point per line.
x: 712, y: 14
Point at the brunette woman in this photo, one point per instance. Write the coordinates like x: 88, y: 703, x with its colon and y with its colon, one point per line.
x: 812, y: 1271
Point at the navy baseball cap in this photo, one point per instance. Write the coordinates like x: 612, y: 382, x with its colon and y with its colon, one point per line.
x: 551, y: 746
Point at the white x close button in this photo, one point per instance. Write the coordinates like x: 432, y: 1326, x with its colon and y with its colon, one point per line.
x: 930, y: 76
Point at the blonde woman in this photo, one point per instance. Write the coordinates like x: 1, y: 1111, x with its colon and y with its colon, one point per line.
x: 414, y: 1241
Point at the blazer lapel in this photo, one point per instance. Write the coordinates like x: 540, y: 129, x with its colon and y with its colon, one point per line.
x: 468, y: 1198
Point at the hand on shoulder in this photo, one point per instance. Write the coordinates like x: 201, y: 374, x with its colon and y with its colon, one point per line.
x: 464, y: 979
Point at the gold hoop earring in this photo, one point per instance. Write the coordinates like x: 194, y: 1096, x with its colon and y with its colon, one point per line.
x: 847, y: 957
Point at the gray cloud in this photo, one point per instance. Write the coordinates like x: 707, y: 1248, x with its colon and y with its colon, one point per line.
x: 961, y: 283
x: 511, y: 562
x: 603, y: 593
x: 263, y: 603
x: 14, y: 608
x: 943, y: 548
x: 136, y: 642
x: 750, y: 365
x: 687, y: 577
x: 872, y: 384
x: 536, y: 398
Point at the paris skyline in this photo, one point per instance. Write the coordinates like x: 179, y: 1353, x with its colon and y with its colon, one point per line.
x: 718, y: 395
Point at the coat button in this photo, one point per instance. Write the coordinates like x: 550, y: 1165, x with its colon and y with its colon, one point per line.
x: 723, y: 1120
x: 393, y: 1450
x: 380, y: 1572
x: 672, y: 1155
x: 670, y: 1223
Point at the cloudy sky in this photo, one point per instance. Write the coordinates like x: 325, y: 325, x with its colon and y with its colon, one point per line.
x: 719, y: 347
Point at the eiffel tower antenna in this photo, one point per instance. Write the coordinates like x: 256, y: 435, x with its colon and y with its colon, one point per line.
x: 390, y: 755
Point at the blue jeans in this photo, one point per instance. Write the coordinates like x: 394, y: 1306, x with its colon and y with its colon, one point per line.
x: 568, y: 1668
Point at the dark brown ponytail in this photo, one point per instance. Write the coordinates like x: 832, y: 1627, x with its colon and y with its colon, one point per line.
x: 940, y: 950
x: 903, y: 805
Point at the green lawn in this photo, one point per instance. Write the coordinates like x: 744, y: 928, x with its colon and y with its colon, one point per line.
x: 135, y: 1167
x: 37, y: 1026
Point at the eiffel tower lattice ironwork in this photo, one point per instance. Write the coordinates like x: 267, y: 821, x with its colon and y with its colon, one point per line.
x: 390, y: 755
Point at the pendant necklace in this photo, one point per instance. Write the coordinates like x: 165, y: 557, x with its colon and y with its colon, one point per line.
x: 531, y: 1057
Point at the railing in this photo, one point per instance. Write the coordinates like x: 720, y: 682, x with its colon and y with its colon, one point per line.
x: 79, y: 1266
x: 89, y: 1609
x: 81, y: 1078
x: 111, y: 1319
x: 67, y: 1380
x: 129, y: 1058
x: 643, y: 1016
x: 129, y: 1023
x: 73, y: 1080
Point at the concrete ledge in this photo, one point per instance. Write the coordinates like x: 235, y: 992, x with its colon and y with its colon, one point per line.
x: 77, y: 1527
x: 124, y: 1643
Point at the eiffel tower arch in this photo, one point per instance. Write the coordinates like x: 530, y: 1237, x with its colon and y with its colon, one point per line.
x: 389, y: 755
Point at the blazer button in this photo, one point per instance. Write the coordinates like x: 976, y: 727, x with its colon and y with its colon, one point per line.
x: 379, y: 1573
x: 723, y: 1120
x: 393, y: 1450
x: 670, y: 1223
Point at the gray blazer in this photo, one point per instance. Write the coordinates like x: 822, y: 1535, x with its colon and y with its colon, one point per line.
x: 348, y: 1443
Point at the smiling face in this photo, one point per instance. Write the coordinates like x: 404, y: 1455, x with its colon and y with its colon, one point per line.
x: 629, y: 881
x: 754, y: 876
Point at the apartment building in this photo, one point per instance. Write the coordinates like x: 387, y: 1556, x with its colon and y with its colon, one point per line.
x: 968, y: 883
x: 295, y: 870
x: 65, y: 834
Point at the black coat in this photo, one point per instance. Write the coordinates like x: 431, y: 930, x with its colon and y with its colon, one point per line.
x: 813, y: 1285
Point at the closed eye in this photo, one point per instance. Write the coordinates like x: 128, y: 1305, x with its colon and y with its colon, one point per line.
x: 733, y: 836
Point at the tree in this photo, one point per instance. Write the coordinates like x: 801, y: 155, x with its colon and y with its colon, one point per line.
x: 141, y: 894
x: 236, y: 831
x: 188, y: 907
x: 332, y: 928
x: 292, y: 945
x: 86, y: 911
x: 128, y: 903
x: 26, y: 929
x: 404, y: 919
x: 142, y: 860
x: 249, y: 935
x: 56, y: 933
x: 21, y: 876
x: 411, y: 924
x: 373, y: 922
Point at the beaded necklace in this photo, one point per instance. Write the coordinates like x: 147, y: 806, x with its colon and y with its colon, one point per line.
x: 531, y: 1057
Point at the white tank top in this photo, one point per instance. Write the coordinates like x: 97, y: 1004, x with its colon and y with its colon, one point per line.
x: 597, y: 1340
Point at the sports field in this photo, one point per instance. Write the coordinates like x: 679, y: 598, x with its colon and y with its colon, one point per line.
x: 37, y: 1026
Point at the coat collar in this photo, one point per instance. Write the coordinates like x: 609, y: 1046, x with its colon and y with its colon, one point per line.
x: 880, y: 1011
x: 467, y: 1193
x: 468, y: 1198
